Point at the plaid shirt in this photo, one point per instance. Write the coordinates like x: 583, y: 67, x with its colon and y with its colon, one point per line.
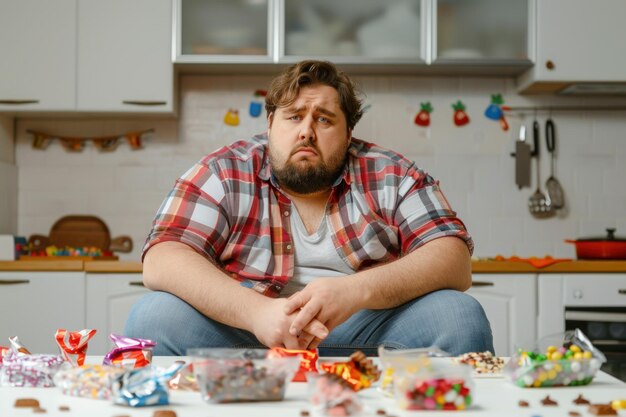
x: 229, y: 208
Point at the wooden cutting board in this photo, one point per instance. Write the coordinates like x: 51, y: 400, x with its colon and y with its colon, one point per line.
x: 80, y: 231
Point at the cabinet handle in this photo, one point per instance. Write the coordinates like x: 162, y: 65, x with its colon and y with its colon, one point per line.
x: 482, y: 284
x: 19, y: 101
x: 549, y: 65
x: 145, y: 103
x: 136, y: 284
x: 622, y: 291
x: 14, y: 281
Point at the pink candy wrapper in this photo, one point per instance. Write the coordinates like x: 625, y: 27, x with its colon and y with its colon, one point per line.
x: 23, y: 370
x: 130, y: 352
x: 73, y: 345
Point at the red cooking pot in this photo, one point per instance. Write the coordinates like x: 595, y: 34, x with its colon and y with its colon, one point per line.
x: 609, y: 247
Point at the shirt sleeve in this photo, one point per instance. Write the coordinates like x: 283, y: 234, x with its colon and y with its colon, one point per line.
x: 424, y: 214
x: 193, y: 213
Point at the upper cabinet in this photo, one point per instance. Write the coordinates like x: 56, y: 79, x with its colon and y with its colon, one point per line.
x: 38, y: 47
x: 86, y: 55
x: 578, y: 46
x: 365, y: 35
x: 224, y: 31
x: 124, y: 56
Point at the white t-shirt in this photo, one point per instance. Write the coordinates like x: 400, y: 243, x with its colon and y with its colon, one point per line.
x: 315, y: 255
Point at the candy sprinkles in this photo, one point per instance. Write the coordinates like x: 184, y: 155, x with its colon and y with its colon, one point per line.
x: 438, y: 394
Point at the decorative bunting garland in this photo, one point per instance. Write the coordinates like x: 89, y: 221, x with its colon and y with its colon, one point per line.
x: 77, y: 144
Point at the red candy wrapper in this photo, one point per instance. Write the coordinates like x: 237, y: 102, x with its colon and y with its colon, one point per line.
x: 308, y: 360
x: 359, y: 372
x: 3, y: 350
x: 73, y: 345
x: 130, y: 352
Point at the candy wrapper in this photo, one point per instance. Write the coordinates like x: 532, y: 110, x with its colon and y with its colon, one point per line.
x: 88, y: 381
x: 359, y: 372
x: 143, y: 386
x: 242, y: 375
x: 184, y: 380
x: 564, y: 359
x: 331, y: 395
x: 308, y: 360
x: 27, y: 370
x: 130, y: 352
x: 17, y: 346
x: 3, y: 351
x: 73, y: 345
x: 409, y: 360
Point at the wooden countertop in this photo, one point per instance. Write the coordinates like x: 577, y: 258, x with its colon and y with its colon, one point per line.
x: 478, y: 267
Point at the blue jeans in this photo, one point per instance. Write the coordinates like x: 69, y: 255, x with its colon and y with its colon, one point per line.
x: 451, y: 320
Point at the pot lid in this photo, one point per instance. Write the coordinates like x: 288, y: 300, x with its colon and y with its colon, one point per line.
x: 610, y: 236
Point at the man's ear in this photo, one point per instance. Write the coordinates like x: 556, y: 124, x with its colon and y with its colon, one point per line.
x: 270, y: 119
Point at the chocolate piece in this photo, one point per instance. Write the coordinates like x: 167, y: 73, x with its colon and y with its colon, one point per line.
x: 164, y: 413
x: 381, y: 412
x: 574, y: 414
x: 549, y: 402
x: 305, y: 413
x: 26, y: 403
x: 64, y: 408
x: 580, y: 400
x: 523, y: 403
x: 602, y: 410
x: 39, y: 410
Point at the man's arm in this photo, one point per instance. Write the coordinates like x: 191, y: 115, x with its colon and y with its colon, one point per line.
x: 176, y: 268
x: 441, y: 263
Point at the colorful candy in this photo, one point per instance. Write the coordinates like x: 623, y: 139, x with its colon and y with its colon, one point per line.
x: 143, y: 386
x: 89, y: 381
x: 24, y: 370
x: 332, y: 395
x: 437, y: 394
x: 308, y: 360
x: 73, y: 345
x: 359, y: 372
x: 130, y: 352
x: 483, y: 362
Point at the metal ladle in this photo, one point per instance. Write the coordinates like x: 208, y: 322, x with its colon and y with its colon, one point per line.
x: 553, y: 186
x: 539, y: 204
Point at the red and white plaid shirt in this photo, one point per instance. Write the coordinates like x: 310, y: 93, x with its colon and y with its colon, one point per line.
x: 229, y: 208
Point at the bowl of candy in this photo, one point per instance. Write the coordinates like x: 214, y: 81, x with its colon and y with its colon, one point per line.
x: 564, y: 359
x: 241, y: 375
x: 440, y: 386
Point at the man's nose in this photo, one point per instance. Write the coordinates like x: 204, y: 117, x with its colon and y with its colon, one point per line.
x: 307, y: 132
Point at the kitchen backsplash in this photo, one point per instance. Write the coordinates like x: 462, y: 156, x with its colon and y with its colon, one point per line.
x: 473, y: 163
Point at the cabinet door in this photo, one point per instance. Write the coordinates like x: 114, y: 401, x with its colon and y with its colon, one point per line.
x: 38, y: 46
x: 124, y: 56
x: 511, y: 307
x: 359, y: 30
x: 33, y: 305
x: 481, y: 30
x: 583, y: 40
x: 109, y: 300
x: 220, y: 31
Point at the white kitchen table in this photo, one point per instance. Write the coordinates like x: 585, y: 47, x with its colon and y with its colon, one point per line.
x: 493, y: 397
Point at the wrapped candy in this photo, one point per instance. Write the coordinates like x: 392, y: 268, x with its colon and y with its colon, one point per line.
x: 308, y: 360
x: 332, y: 395
x: 130, y: 352
x: 28, y: 370
x: 184, y: 380
x: 73, y: 345
x: 88, y: 381
x: 143, y: 386
x: 359, y: 372
x: 17, y: 346
x: 3, y: 351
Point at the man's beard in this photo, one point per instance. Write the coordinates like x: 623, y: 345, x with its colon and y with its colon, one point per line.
x: 308, y: 178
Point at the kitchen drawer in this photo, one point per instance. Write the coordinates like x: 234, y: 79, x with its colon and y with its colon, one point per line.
x: 606, y: 290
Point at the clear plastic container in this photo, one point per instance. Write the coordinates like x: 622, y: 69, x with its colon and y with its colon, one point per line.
x: 241, y: 375
x: 330, y: 396
x: 563, y: 359
x: 440, y: 386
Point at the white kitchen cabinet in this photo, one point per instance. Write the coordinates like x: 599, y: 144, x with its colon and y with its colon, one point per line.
x: 110, y: 297
x: 577, y: 40
x: 33, y: 305
x: 124, y: 56
x: 509, y: 301
x: 38, y: 48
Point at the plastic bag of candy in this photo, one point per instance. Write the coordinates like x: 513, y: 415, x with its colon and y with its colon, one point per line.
x: 562, y: 359
x: 241, y: 375
x: 29, y: 370
x: 88, y: 381
x: 439, y: 385
x: 331, y: 395
x: 145, y: 386
x: 409, y: 360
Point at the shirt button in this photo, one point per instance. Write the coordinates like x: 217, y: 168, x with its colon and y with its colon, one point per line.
x: 288, y: 247
x: 286, y: 213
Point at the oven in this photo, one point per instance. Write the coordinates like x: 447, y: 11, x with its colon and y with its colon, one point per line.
x: 606, y: 329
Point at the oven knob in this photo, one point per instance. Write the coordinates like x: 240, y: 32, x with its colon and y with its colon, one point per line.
x: 578, y: 294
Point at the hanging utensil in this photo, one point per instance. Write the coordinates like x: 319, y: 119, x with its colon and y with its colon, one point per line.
x: 522, y: 159
x: 553, y: 186
x: 539, y: 204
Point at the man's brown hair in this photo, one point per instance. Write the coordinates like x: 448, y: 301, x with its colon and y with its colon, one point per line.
x: 285, y: 88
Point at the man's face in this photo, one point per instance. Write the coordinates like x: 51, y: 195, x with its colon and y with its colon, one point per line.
x: 308, y: 140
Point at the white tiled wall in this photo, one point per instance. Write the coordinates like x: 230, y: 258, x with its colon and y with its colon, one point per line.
x: 8, y: 179
x: 473, y: 164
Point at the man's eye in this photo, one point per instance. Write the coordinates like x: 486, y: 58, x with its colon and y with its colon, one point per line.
x: 322, y: 119
x: 294, y: 117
